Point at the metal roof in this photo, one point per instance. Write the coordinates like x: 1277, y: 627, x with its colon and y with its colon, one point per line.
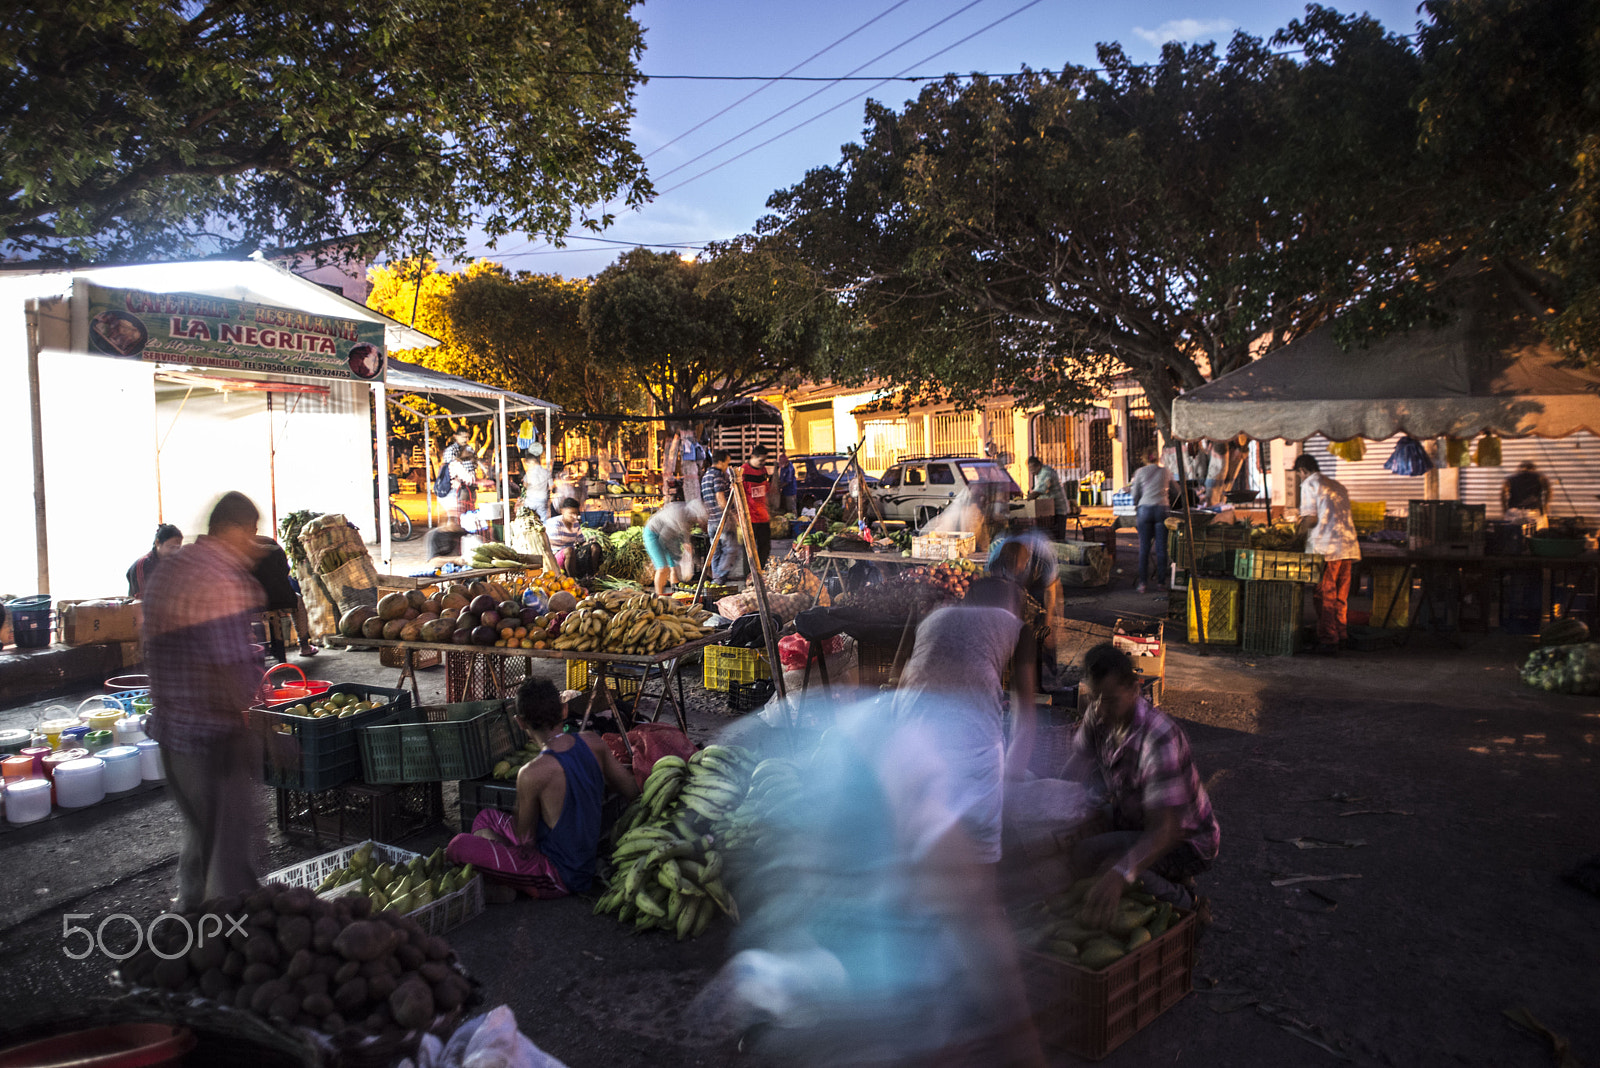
x: 415, y: 378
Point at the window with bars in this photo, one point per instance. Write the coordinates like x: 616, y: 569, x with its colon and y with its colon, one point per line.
x: 883, y: 443
x: 1002, y: 433
x: 956, y: 434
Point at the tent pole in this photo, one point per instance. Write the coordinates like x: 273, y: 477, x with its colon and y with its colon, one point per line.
x: 502, y: 456
x: 385, y: 536
x: 41, y: 534
x: 427, y: 464
x: 1188, y: 544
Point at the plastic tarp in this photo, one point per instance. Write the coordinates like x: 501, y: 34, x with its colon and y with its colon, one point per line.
x: 1489, y: 368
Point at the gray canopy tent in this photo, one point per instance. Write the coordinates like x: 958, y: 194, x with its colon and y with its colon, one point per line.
x: 1487, y: 369
x: 465, y: 397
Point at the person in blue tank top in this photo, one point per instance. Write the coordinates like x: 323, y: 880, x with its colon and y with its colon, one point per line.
x: 547, y: 847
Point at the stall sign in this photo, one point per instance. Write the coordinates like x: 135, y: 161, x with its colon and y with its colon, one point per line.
x: 203, y: 331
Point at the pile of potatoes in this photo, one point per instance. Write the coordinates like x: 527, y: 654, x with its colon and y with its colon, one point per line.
x: 331, y: 966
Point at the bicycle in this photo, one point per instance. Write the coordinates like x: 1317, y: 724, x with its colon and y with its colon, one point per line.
x: 400, y: 528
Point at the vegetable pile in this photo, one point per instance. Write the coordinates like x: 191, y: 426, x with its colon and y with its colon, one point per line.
x: 667, y: 873
x: 497, y: 554
x: 403, y: 888
x: 1056, y: 926
x: 330, y: 966
x: 630, y: 562
x: 1564, y: 669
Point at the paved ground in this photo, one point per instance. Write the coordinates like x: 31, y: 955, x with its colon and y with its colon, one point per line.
x: 1473, y: 794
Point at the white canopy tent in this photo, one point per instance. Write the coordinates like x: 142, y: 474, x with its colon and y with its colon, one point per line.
x: 120, y: 443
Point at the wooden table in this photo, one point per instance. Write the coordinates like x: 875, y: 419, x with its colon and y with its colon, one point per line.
x: 837, y: 562
x: 417, y: 582
x: 664, y: 665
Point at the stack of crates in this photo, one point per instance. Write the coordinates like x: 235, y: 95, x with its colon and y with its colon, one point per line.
x: 1215, y: 548
x: 1368, y: 515
x: 1217, y: 601
x: 1386, y: 591
x: 1446, y: 528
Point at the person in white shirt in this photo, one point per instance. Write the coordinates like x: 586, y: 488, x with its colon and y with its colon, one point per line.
x: 1151, y: 486
x: 1330, y: 533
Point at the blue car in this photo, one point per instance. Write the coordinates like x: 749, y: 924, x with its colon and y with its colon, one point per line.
x: 817, y: 474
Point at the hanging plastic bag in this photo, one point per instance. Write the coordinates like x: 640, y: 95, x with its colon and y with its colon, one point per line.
x: 1488, y: 451
x: 1352, y: 451
x: 1409, y: 458
x: 1457, y: 453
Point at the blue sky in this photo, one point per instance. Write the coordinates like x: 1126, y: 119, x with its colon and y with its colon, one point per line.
x: 763, y: 37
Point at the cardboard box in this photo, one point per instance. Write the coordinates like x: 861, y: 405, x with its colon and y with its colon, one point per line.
x: 108, y: 619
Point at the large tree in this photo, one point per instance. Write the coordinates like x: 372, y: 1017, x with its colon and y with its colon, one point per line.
x: 153, y: 128
x: 695, y: 333
x: 1031, y: 234
x: 519, y: 331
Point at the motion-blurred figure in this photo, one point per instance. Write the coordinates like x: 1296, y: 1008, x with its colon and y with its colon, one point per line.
x: 1525, y: 496
x: 1163, y: 829
x: 204, y: 671
x: 169, y: 539
x: 873, y: 933
x: 283, y: 595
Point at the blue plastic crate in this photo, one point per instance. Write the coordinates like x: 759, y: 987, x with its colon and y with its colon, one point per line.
x: 598, y: 519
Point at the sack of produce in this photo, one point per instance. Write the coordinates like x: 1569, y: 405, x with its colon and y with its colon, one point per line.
x: 353, y: 584
x: 1488, y: 454
x: 1564, y: 669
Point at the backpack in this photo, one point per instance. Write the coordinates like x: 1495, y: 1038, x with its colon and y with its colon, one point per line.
x: 441, y: 485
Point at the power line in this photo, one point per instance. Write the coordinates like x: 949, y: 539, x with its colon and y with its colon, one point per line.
x: 769, y: 81
x: 784, y: 111
x: 842, y: 103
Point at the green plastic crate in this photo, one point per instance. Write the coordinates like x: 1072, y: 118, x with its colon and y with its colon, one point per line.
x: 1215, y: 548
x: 1272, y: 617
x: 1264, y: 564
x: 433, y: 743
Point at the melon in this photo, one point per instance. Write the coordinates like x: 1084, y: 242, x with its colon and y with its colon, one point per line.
x: 416, y: 599
x: 563, y: 602
x: 482, y: 603
x: 510, y: 608
x: 462, y: 637
x: 350, y: 623
x: 483, y: 635
x: 455, y: 600
x: 436, y: 630
x: 479, y: 589
x: 392, y: 606
x: 434, y: 604
x: 373, y: 627
x: 1564, y: 632
x: 393, y: 627
x: 411, y: 632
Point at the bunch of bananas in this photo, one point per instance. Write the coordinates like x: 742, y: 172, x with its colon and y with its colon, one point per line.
x: 629, y: 621
x: 774, y: 789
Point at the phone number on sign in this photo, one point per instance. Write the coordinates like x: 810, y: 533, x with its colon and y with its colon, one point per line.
x: 208, y: 926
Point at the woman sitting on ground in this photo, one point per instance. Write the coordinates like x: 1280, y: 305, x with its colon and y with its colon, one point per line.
x: 547, y: 848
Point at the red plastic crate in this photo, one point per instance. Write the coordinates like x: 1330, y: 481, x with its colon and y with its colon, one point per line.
x: 1090, y: 1013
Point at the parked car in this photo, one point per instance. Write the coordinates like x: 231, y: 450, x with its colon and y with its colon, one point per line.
x: 919, y: 487
x: 816, y: 475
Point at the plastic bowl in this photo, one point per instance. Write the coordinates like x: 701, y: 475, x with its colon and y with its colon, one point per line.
x: 117, y: 1046
x: 128, y: 682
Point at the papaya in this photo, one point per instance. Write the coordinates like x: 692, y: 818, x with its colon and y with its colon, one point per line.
x: 373, y: 627
x: 411, y: 632
x: 393, y: 627
x: 416, y: 599
x: 456, y: 600
x: 350, y: 623
x: 392, y: 606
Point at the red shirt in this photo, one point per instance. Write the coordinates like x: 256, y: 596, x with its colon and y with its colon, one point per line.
x: 756, y: 485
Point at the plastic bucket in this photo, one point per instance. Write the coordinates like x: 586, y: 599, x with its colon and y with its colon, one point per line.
x: 30, y: 621
x: 127, y: 682
x: 122, y: 768
x: 13, y: 740
x: 294, y: 692
x: 116, y: 1046
x: 151, y: 767
x: 95, y: 741
x: 81, y: 783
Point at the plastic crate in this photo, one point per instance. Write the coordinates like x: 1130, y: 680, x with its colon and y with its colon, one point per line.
x: 940, y: 546
x: 1446, y: 528
x: 438, y: 742
x: 478, y: 795
x: 1272, y: 613
x: 1386, y: 591
x: 445, y: 914
x: 1368, y: 515
x: 1215, y: 548
x: 625, y: 684
x: 356, y: 812
x: 749, y: 696
x: 318, y: 754
x: 597, y: 519
x: 1090, y: 1013
x: 394, y: 656
x: 728, y: 664
x: 477, y: 676
x: 1277, y: 567
x: 1218, y: 600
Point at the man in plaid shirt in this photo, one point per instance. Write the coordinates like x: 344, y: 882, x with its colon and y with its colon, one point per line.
x: 1163, y: 829
x: 204, y: 672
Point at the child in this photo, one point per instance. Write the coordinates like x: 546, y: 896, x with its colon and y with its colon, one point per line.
x: 565, y: 530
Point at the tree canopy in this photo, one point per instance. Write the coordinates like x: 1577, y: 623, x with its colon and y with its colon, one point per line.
x: 1032, y: 234
x: 695, y: 333
x: 157, y: 128
x: 519, y: 331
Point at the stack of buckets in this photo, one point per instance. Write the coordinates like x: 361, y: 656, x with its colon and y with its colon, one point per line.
x: 75, y: 760
x: 30, y: 621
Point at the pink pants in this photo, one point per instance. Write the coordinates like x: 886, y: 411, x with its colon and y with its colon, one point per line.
x: 518, y: 864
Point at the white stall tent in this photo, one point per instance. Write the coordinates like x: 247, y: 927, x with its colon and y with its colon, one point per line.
x: 127, y: 444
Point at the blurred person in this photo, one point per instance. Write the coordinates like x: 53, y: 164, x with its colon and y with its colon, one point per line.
x: 715, y: 489
x: 666, y: 538
x: 1028, y: 559
x: 536, y: 486
x: 683, y: 466
x: 282, y: 592
x: 459, y: 469
x: 753, y: 476
x: 548, y: 846
x: 1331, y: 532
x: 1525, y: 496
x: 565, y: 529
x: 954, y: 682
x: 1047, y: 484
x: 788, y: 485
x: 1214, y: 455
x: 449, y: 543
x: 1162, y: 828
x: 204, y: 672
x: 168, y: 540
x: 872, y: 931
x: 1152, y: 489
